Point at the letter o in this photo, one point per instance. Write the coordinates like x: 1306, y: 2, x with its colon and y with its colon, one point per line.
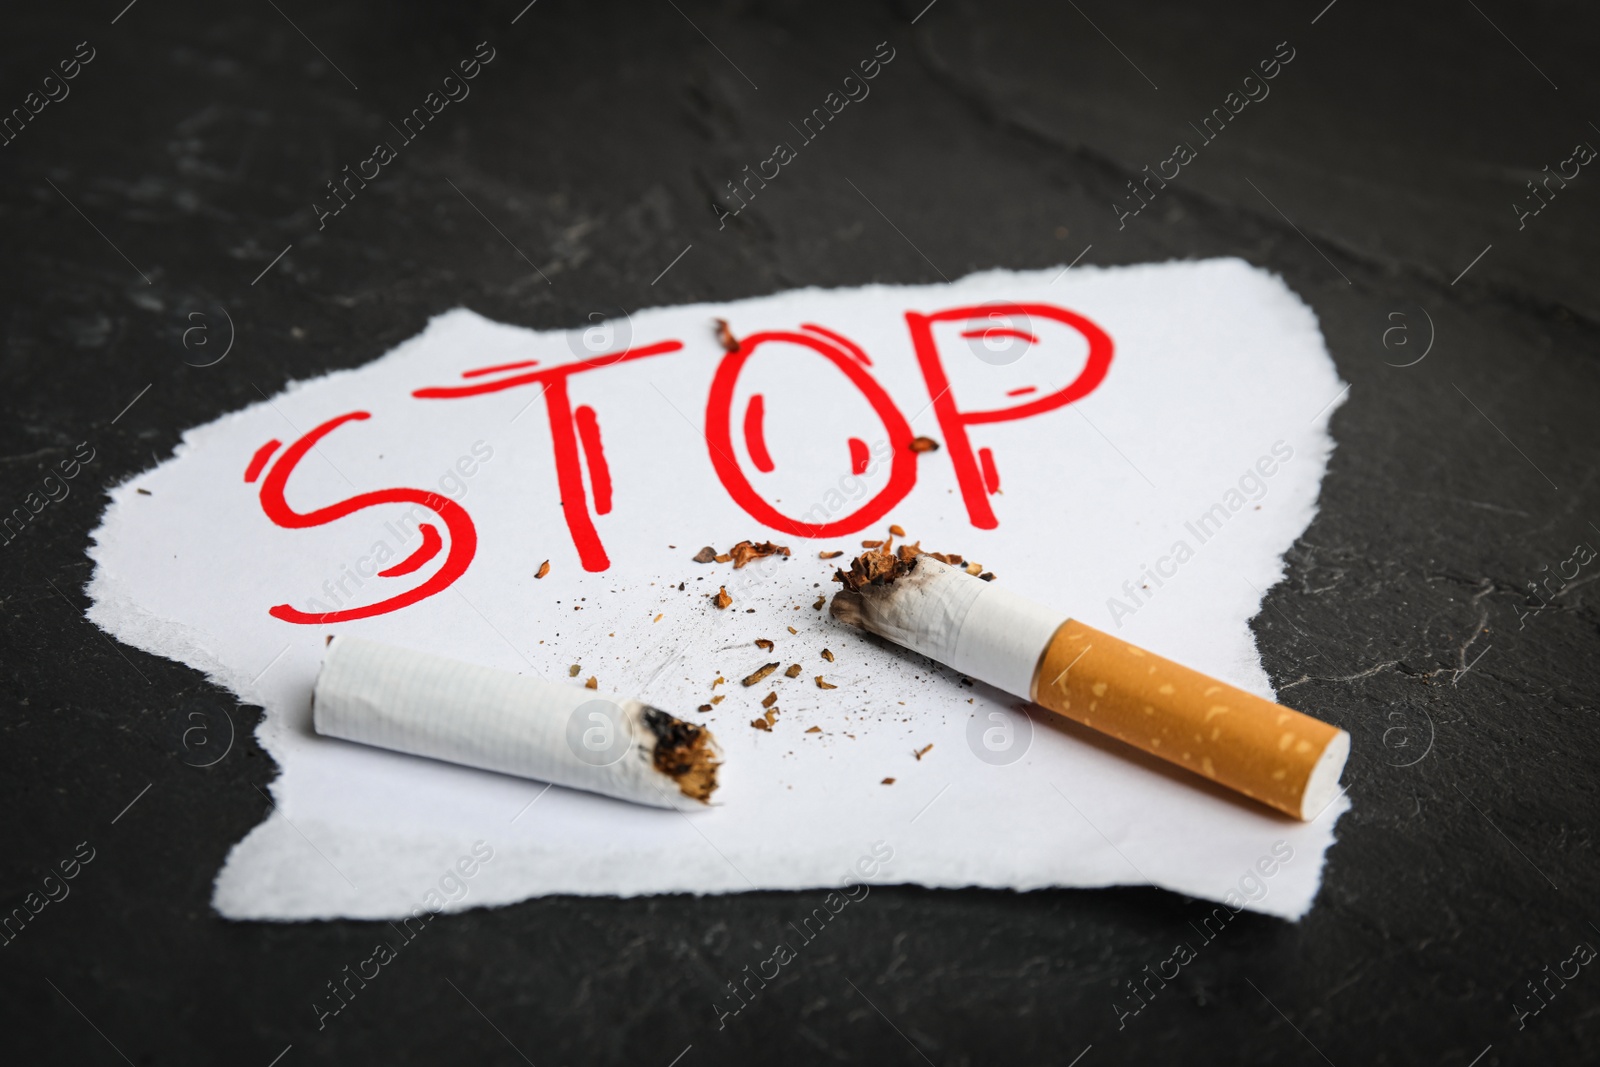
x: 719, y: 436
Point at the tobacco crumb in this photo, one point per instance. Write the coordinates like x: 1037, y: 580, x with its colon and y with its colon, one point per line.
x: 758, y: 674
x: 544, y: 569
x: 923, y: 751
x: 770, y: 699
x: 572, y: 671
x: 703, y: 707
x: 827, y: 655
x: 987, y: 576
x: 144, y: 492
x: 824, y: 685
x: 718, y: 698
x: 722, y: 557
x: 872, y: 544
x: 705, y: 555
x: 719, y: 681
x: 821, y: 600
x: 792, y: 630
x: 680, y: 587
x: 896, y: 530
x: 658, y: 618
x: 814, y: 730
x: 829, y: 555
x: 887, y: 781
x: 745, y: 551
x: 722, y: 599
x: 763, y: 644
x: 766, y: 720
x: 793, y: 671
x: 725, y: 336
x: 974, y: 569
x: 924, y: 444
x: 685, y: 752
x: 592, y: 683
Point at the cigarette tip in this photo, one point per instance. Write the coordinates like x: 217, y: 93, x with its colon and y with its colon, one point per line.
x: 846, y: 607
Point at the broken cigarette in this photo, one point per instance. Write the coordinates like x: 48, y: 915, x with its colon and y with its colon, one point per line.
x: 431, y: 706
x: 1268, y: 752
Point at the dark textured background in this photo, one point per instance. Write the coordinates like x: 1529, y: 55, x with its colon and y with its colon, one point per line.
x: 1397, y: 142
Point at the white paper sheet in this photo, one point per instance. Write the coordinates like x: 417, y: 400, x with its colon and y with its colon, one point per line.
x: 1212, y: 365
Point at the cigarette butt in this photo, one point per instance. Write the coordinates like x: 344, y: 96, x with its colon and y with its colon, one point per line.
x: 463, y: 713
x: 1268, y: 752
x: 1273, y: 754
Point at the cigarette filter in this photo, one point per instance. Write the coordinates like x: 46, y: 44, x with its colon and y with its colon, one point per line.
x: 1268, y: 752
x: 428, y: 705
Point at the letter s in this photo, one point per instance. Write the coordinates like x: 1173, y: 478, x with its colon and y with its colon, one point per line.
x: 1283, y: 451
x: 883, y: 851
x: 1283, y: 851
x: 463, y: 535
x: 86, y: 58
x: 1279, y: 53
x: 483, y: 850
x: 483, y: 450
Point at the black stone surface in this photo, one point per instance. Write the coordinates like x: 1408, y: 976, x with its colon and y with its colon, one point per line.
x: 1397, y: 141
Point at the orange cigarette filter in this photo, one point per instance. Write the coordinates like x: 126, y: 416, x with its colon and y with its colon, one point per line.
x: 1264, y: 750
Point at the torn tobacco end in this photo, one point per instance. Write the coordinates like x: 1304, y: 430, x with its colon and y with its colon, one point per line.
x: 684, y: 752
x: 879, y: 566
x: 725, y: 336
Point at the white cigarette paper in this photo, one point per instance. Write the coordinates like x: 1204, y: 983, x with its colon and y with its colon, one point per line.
x: 431, y: 706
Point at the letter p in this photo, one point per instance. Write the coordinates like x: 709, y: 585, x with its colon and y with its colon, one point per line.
x: 975, y: 471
